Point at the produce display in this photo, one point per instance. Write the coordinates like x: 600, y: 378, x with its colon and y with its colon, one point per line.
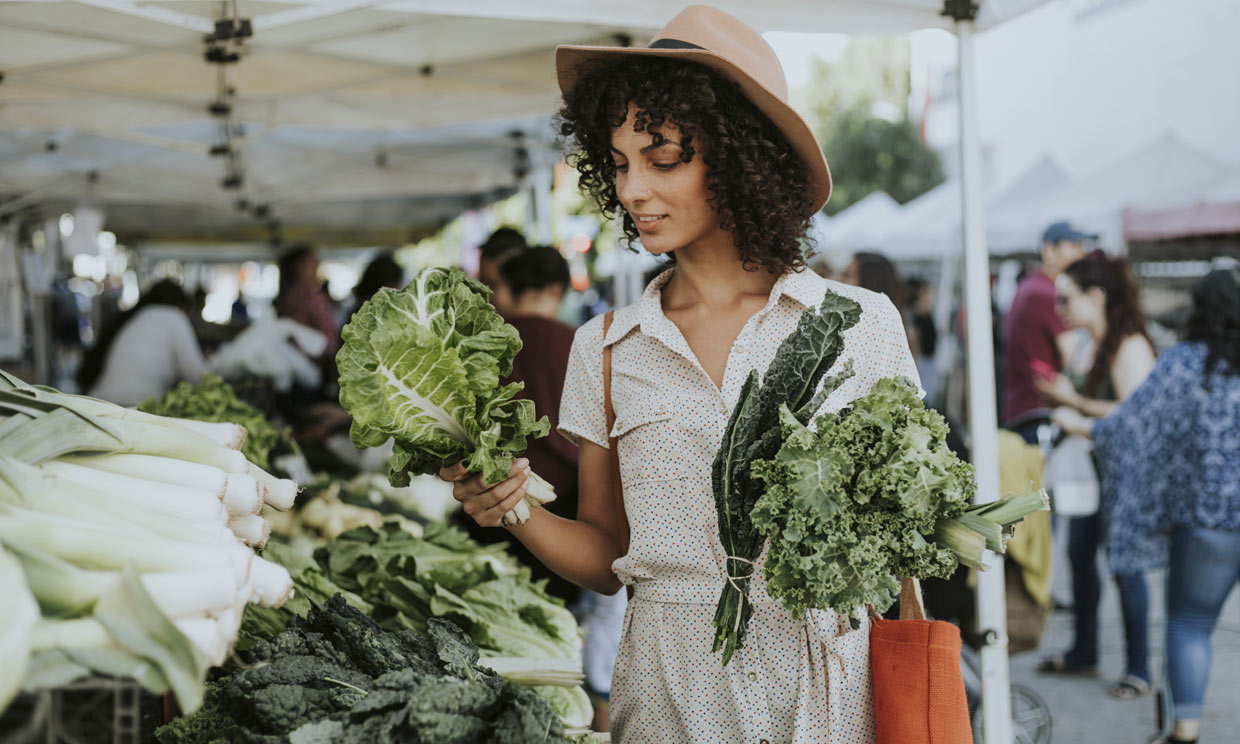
x: 310, y: 587
x: 212, y: 399
x: 323, y: 515
x: 421, y: 366
x: 123, y: 543
x: 336, y: 676
x: 870, y: 494
x: 410, y: 580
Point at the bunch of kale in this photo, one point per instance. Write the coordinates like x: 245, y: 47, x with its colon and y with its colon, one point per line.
x: 793, y: 381
x: 335, y: 676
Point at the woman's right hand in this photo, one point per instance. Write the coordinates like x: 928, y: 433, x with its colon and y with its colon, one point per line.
x: 487, y: 504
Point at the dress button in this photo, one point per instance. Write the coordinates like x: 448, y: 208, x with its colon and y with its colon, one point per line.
x: 753, y: 676
x: 764, y: 741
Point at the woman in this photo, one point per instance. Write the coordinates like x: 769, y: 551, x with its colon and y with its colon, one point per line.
x: 301, y: 296
x: 692, y: 145
x: 1176, y: 442
x: 145, y: 351
x: 1098, y: 297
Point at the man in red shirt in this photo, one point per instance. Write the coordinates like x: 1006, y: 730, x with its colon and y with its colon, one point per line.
x: 1033, y: 325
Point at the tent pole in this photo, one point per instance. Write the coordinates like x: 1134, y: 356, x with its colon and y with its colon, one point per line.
x: 983, y: 417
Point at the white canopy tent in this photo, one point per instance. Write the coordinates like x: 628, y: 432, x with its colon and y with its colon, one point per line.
x: 931, y: 225
x: 387, y: 106
x: 1164, y: 167
x: 1211, y: 208
x: 852, y: 228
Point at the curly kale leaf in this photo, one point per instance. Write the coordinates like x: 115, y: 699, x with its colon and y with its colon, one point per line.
x: 855, y: 504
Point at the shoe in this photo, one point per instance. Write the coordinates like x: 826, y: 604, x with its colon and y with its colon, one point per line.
x: 1168, y: 739
x: 1058, y: 664
x: 1130, y: 687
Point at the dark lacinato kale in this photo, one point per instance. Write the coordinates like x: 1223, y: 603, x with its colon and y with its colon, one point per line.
x: 337, y: 677
x: 211, y: 724
x: 795, y: 379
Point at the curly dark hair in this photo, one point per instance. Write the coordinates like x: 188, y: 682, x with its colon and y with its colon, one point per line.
x: 759, y: 187
x: 1123, y: 309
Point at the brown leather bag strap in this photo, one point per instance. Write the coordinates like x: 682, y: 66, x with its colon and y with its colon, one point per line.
x: 613, y: 451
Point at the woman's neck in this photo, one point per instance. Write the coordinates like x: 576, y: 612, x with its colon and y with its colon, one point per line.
x: 714, y: 277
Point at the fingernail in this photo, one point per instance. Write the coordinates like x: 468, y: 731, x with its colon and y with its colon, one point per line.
x: 523, y: 463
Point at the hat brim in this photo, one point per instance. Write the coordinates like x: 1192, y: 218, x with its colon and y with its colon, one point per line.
x: 572, y: 62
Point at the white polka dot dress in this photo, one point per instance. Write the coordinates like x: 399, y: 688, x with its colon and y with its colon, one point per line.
x: 793, y: 682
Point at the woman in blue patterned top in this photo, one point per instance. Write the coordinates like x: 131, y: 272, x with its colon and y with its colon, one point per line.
x: 1176, y: 444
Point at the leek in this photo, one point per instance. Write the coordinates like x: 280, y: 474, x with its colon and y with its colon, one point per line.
x: 252, y: 530
x: 161, y: 469
x: 190, y: 504
x: 16, y: 625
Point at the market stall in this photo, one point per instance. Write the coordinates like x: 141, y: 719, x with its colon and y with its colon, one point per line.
x: 295, y: 111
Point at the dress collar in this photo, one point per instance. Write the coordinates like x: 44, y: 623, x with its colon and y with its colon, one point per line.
x: 804, y: 287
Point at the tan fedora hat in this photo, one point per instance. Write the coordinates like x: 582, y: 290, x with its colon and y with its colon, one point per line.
x: 722, y: 42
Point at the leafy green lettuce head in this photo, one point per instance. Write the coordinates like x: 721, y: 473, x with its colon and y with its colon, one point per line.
x: 422, y: 366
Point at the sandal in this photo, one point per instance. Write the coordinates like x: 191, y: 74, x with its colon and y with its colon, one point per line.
x: 1130, y: 687
x: 1058, y: 664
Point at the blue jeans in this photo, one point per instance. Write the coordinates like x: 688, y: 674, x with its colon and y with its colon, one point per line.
x: 1205, y: 565
x: 1084, y: 537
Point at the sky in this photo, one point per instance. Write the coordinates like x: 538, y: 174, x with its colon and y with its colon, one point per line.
x: 796, y: 51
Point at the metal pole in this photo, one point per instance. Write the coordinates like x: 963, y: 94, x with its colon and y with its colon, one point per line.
x: 983, y: 417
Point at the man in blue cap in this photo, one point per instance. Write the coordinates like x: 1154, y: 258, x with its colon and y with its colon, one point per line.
x: 1033, y: 325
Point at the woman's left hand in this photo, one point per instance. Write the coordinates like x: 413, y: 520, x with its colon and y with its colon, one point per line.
x: 1057, y: 389
x: 1072, y: 421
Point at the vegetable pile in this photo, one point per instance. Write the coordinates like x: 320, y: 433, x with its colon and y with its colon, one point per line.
x: 422, y: 366
x: 212, y: 399
x: 870, y: 494
x: 337, y: 677
x: 410, y: 580
x: 123, y: 543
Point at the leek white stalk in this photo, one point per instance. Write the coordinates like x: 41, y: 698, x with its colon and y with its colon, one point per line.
x: 252, y: 530
x: 111, y: 548
x: 207, y: 636
x: 161, y: 469
x: 34, y: 488
x: 17, y: 622
x: 227, y: 435
x: 242, y: 495
x: 64, y: 589
x: 190, y: 504
x: 278, y: 493
x: 271, y: 583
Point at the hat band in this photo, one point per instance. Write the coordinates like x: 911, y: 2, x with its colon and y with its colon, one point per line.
x: 673, y: 44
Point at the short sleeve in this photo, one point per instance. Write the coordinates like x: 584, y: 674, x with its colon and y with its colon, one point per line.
x: 899, y: 356
x: 582, y: 414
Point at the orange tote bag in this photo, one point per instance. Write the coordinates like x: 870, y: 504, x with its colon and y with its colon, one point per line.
x: 915, y: 667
